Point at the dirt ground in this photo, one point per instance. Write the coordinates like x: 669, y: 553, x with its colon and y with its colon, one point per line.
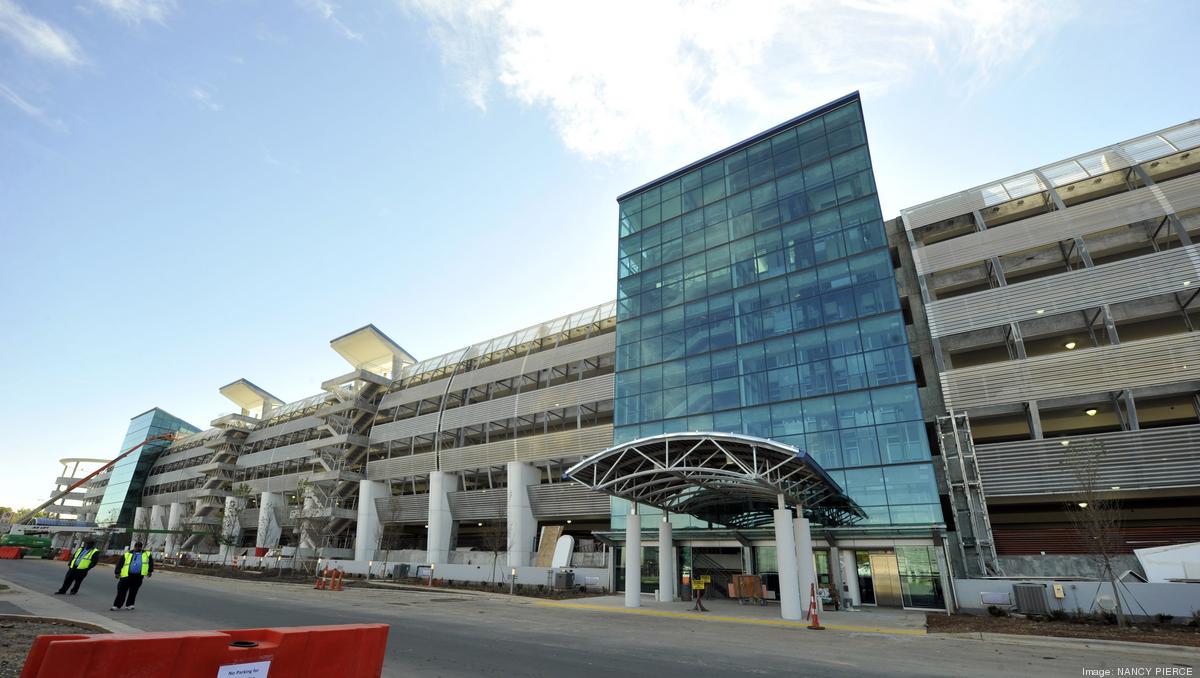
x: 17, y: 634
x: 1163, y: 634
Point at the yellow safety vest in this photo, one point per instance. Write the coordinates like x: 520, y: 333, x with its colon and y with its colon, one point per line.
x: 82, y: 559
x: 129, y: 559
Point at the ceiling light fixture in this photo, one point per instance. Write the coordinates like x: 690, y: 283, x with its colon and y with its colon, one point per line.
x: 1040, y: 311
x: 1083, y: 504
x: 1064, y: 443
x: 1116, y: 487
x: 1070, y: 345
x: 1091, y: 411
x: 568, y: 522
x: 480, y: 524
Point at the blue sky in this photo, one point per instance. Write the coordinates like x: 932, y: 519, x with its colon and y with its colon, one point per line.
x: 193, y: 192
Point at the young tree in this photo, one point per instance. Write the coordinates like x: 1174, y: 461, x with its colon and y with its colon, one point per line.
x: 1096, y: 516
x: 494, y: 537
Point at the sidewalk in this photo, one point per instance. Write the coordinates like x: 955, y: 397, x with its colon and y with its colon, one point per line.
x: 45, y: 605
x: 869, y: 620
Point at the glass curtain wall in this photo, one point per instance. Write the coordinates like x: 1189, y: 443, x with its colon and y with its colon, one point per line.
x: 123, y: 494
x: 756, y: 295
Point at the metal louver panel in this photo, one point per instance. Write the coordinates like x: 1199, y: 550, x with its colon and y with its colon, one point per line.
x: 1150, y: 202
x: 172, y: 477
x: 408, y: 508
x: 401, y: 467
x: 284, y: 428
x: 1174, y: 270
x: 405, y: 428
x: 567, y: 499
x: 1131, y: 460
x: 564, y: 395
x: 433, y: 389
x: 1148, y: 362
x: 284, y: 483
x: 283, y: 453
x: 479, y: 504
x: 572, y: 444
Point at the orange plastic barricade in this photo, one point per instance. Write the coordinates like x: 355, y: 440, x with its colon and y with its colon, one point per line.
x: 65, y: 554
x: 11, y: 553
x: 348, y: 651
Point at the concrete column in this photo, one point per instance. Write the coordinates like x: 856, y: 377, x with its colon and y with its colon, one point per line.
x: 850, y: 572
x: 369, y: 529
x: 441, y: 521
x: 785, y: 554
x: 522, y: 526
x: 835, y: 569
x: 308, y: 536
x: 805, y: 568
x: 175, y: 522
x: 633, y: 559
x: 231, y: 525
x: 141, y: 522
x: 268, y: 527
x: 157, y: 541
x: 666, y: 562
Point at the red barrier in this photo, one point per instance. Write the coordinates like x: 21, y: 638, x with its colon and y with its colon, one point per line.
x: 349, y: 651
x: 11, y: 553
x: 260, y: 551
x: 65, y: 554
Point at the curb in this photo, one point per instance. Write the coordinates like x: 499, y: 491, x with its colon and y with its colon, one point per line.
x: 1079, y: 643
x: 735, y: 620
x: 56, y: 620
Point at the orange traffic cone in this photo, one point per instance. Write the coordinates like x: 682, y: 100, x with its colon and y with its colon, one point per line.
x: 337, y: 580
x: 814, y: 614
x: 321, y: 580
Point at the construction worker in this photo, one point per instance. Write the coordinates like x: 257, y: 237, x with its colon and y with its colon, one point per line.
x: 82, y: 561
x: 131, y: 568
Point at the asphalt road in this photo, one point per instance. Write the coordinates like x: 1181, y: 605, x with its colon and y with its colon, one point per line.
x: 471, y: 635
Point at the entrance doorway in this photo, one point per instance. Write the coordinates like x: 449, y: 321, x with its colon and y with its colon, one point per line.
x: 719, y: 563
x: 885, y: 578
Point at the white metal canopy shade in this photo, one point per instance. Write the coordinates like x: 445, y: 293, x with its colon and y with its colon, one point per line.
x: 724, y: 478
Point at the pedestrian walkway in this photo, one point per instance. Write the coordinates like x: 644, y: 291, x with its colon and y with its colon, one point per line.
x: 44, y: 605
x: 864, y: 620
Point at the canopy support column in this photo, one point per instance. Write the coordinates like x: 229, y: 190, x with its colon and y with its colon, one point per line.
x: 666, y: 562
x: 785, y: 553
x: 633, y: 559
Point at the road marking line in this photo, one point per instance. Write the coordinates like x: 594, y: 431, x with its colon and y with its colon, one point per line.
x: 736, y: 620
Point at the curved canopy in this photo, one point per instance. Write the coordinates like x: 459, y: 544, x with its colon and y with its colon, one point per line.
x: 723, y: 478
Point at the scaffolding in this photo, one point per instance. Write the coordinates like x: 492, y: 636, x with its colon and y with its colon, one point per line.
x: 976, y: 550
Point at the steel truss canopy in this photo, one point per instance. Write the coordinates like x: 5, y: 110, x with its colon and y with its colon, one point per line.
x: 724, y: 478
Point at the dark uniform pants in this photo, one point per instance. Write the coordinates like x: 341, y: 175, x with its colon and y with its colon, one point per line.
x: 74, y: 576
x: 127, y: 588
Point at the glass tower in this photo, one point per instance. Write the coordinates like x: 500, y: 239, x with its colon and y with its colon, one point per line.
x: 756, y: 295
x: 123, y: 494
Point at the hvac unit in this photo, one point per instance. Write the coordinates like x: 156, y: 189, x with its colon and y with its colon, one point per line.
x: 1031, y: 598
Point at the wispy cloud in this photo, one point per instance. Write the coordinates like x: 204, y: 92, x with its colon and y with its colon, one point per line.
x: 29, y: 109
x: 270, y: 159
x: 37, y: 37
x: 328, y: 11
x: 636, y: 77
x: 203, y: 96
x: 137, y: 11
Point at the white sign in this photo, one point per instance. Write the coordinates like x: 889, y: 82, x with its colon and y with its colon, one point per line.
x: 251, y: 670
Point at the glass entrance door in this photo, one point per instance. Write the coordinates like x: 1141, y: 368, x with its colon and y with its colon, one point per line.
x: 885, y: 576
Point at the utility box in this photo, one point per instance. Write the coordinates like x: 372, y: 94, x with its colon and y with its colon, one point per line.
x: 562, y: 579
x: 1031, y: 598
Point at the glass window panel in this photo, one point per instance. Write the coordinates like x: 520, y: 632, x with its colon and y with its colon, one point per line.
x: 770, y: 265
x: 672, y: 207
x: 742, y: 250
x: 724, y: 363
x: 895, y: 403
x: 783, y: 384
x: 713, y: 170
x: 695, y: 289
x: 777, y: 321
x: 859, y: 447
x: 766, y: 217
x: 736, y: 161
x: 699, y: 398
x: 650, y: 406
x: 751, y: 358
x: 841, y: 117
x: 720, y: 280
x: 673, y: 346
x: 811, y: 346
x: 789, y: 185
x: 738, y: 180
x: 834, y: 276
x: 756, y: 421
x: 700, y: 422
x: 763, y: 195
x: 851, y: 162
x: 860, y: 212
x: 828, y: 248
x: 864, y: 237
x: 910, y: 484
x: 651, y: 378
x: 779, y: 352
x: 672, y: 250
x: 825, y: 223
x: 854, y: 409
x: 768, y: 241
x: 670, y: 189
x: 651, y: 215
x: 814, y: 150
x: 806, y: 313
x: 721, y: 334
x: 814, y: 378
x: 717, y: 257
x: 825, y: 448
x: 728, y: 422
x: 822, y: 198
x: 838, y: 305
x: 745, y: 273
x: 696, y: 313
x: 882, y: 331
x: 820, y: 414
x: 692, y: 200
x: 725, y: 394
x: 760, y: 172
x: 714, y: 191
x: 865, y: 486
x: 846, y: 138
x: 738, y: 204
x: 854, y: 187
x: 698, y: 369
x: 787, y: 418
x: 674, y: 374
x: 877, y: 297
x: 803, y: 285
x: 674, y: 402
x: 714, y: 214
x: 817, y: 175
x: 889, y: 366
x: 674, y: 426
x: 848, y: 372
x: 794, y: 207
x: 843, y: 339
x: 787, y: 160
x: 903, y: 441
x: 691, y: 180
x: 749, y: 328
